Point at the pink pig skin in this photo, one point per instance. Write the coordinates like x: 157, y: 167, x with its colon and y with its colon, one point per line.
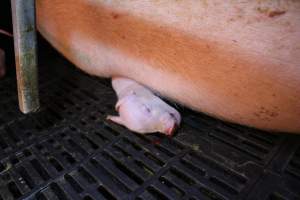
x: 141, y: 111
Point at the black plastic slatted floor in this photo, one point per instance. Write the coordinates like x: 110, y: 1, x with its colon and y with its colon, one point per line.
x: 69, y: 151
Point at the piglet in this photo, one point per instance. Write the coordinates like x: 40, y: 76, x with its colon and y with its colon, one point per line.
x: 141, y: 111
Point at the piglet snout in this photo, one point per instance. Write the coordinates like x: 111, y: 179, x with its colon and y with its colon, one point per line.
x: 170, y: 131
x: 171, y: 122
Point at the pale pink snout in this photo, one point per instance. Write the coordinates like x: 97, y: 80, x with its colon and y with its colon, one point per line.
x: 170, y: 122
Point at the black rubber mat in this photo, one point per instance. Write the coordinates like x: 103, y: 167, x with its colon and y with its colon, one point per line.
x: 69, y: 151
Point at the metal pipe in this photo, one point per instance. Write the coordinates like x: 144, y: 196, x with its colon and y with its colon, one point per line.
x: 25, y: 44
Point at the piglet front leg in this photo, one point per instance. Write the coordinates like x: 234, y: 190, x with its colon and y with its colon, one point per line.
x: 141, y: 111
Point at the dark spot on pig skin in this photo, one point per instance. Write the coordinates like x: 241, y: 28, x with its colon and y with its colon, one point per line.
x: 273, y: 114
x: 265, y: 114
x: 275, y: 13
x: 271, y: 13
x: 115, y: 15
x: 231, y: 20
x: 256, y: 114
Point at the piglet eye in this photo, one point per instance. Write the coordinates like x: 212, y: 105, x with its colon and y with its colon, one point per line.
x: 146, y: 109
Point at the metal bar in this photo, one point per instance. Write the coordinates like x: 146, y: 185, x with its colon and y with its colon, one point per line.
x: 23, y: 14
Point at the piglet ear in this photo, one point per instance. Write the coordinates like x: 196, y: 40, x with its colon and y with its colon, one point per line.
x: 122, y: 101
x: 117, y: 106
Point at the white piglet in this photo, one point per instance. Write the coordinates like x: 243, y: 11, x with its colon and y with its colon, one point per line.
x: 141, y: 111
